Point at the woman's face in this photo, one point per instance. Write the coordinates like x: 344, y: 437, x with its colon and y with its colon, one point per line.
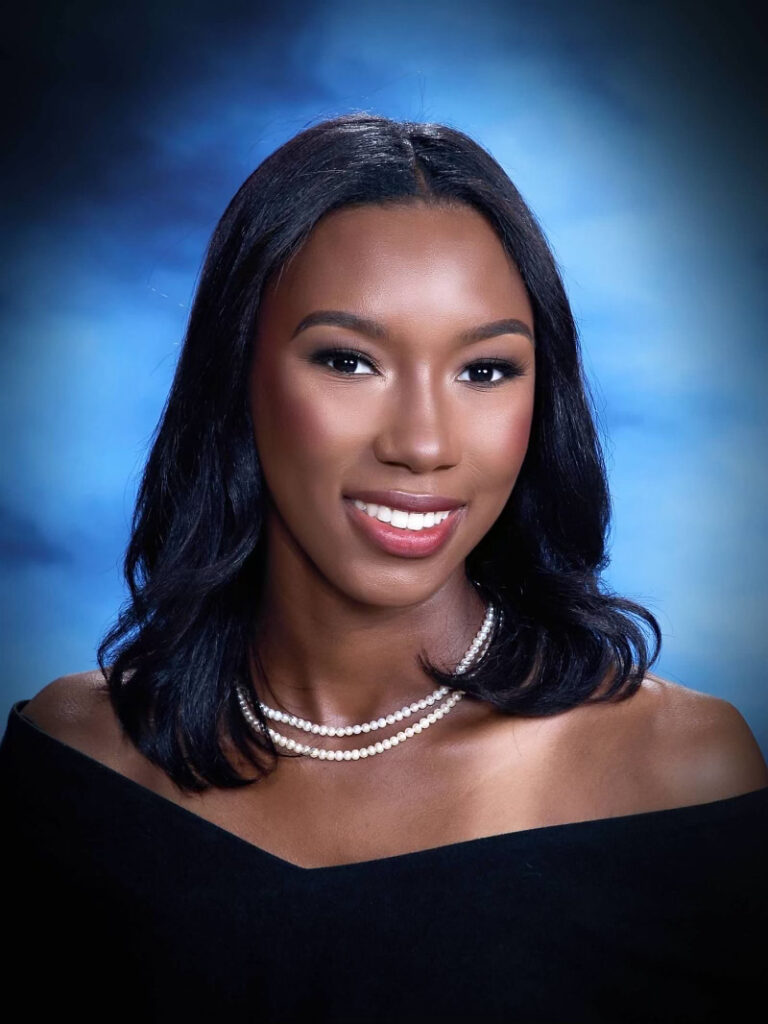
x: 410, y: 404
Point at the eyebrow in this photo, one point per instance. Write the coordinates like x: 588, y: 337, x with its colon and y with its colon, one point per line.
x: 376, y: 330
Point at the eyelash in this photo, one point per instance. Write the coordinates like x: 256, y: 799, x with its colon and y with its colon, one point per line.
x: 325, y: 355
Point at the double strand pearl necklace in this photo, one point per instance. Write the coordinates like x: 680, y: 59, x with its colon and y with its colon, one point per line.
x: 324, y: 754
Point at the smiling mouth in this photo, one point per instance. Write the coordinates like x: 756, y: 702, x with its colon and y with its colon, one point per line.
x: 400, y: 519
x: 391, y: 530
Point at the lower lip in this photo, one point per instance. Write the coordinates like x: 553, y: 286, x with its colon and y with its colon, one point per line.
x: 406, y: 543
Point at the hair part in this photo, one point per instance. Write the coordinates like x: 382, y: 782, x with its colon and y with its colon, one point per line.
x: 195, y: 559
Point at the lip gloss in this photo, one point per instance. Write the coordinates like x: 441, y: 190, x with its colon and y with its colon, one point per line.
x: 406, y: 543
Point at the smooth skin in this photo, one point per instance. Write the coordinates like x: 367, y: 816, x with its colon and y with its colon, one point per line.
x: 341, y: 622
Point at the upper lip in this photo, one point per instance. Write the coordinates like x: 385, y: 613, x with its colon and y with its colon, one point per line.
x: 406, y: 501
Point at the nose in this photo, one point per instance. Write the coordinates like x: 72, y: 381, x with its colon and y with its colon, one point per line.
x: 421, y: 429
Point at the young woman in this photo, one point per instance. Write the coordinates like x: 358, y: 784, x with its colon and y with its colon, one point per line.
x: 371, y: 740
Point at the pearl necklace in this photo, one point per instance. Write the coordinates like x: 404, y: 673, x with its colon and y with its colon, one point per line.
x: 324, y: 754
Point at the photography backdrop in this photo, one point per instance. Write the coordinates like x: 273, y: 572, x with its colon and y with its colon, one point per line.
x: 635, y: 131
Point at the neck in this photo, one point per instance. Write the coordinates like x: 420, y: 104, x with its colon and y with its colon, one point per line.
x: 329, y: 658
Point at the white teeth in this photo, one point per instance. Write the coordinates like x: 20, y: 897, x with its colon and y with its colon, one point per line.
x: 400, y: 518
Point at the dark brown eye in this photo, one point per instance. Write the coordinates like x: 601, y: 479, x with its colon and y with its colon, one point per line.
x: 485, y: 370
x: 342, y: 360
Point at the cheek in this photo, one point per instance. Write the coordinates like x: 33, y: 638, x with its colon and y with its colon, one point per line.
x: 498, y: 446
x: 303, y: 429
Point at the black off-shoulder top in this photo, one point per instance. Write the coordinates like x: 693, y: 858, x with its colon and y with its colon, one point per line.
x: 119, y: 905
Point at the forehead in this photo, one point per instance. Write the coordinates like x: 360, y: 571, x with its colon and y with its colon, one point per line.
x: 397, y: 259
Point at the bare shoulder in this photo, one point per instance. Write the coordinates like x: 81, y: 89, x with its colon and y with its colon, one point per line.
x: 697, y: 745
x: 65, y: 703
x: 76, y: 710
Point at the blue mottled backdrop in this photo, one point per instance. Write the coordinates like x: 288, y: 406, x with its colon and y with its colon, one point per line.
x: 635, y: 133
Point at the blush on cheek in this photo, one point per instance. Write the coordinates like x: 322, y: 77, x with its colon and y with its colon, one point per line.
x: 508, y: 440
x: 316, y: 433
x: 290, y: 418
x: 318, y: 426
x: 520, y: 436
x: 303, y: 425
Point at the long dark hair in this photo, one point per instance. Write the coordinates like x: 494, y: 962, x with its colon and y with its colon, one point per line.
x: 195, y: 560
